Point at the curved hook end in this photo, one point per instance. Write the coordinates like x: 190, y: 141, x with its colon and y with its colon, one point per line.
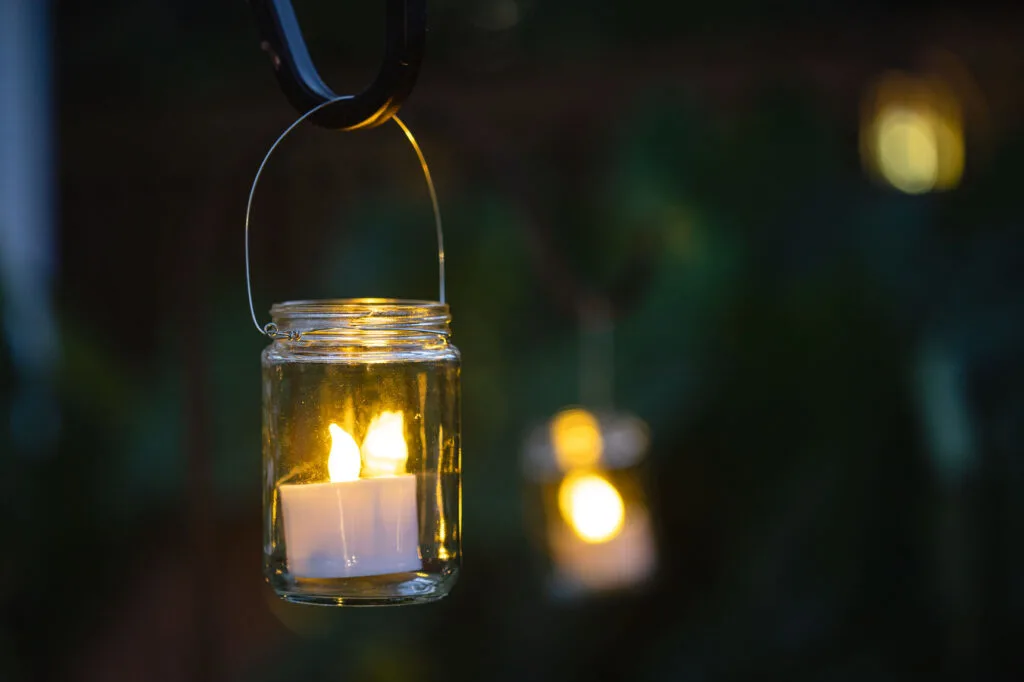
x: 405, y: 37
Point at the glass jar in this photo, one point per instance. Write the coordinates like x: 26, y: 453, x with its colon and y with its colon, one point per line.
x: 361, y: 450
x: 587, y: 497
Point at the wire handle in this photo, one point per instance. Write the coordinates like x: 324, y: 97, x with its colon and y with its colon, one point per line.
x: 270, y: 329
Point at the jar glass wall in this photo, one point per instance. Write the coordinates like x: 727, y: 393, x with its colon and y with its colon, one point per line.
x: 362, y: 455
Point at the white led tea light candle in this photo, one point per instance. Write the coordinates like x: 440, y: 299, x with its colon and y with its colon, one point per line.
x: 364, y: 521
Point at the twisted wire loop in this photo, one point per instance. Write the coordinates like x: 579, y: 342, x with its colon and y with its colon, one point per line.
x: 270, y: 329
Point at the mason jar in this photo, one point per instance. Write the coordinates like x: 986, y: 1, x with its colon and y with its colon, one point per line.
x: 361, y: 452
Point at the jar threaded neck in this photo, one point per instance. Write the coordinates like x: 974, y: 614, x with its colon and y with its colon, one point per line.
x: 355, y: 317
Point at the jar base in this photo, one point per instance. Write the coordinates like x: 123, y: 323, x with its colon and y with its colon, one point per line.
x: 394, y: 589
x: 322, y: 600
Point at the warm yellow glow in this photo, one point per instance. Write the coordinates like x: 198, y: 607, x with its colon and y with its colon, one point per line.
x: 914, y: 136
x: 907, y: 149
x: 384, y: 448
x: 343, y: 463
x: 591, y: 506
x: 576, y: 435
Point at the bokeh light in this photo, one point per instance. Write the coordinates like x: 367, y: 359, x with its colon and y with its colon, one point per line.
x: 912, y: 136
x: 576, y: 436
x: 592, y: 506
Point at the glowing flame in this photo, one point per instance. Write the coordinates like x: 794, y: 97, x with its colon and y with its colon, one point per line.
x: 576, y: 435
x: 913, y: 135
x: 592, y: 507
x: 384, y: 448
x: 908, y: 149
x: 343, y: 463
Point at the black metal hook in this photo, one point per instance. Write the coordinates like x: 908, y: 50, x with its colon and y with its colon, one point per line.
x: 406, y: 26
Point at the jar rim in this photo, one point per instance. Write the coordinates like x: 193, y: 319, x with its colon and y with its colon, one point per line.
x: 395, y: 306
x: 362, y: 314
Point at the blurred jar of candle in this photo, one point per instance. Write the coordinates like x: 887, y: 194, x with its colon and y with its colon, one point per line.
x: 587, y: 501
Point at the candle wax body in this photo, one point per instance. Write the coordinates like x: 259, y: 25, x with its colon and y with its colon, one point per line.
x: 626, y: 559
x: 349, y: 529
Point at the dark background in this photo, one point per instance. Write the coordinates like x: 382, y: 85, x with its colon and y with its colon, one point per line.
x: 830, y: 369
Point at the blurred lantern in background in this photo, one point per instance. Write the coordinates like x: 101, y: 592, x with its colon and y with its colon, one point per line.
x: 912, y: 133
x: 585, y: 476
